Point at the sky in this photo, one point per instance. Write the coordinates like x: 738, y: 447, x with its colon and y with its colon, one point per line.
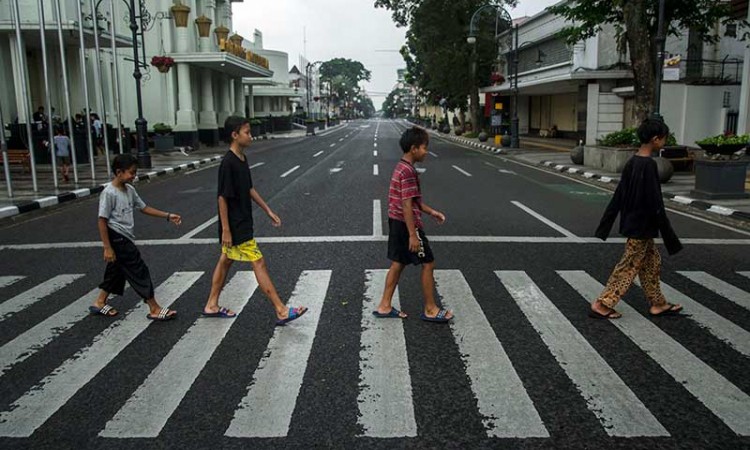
x: 327, y: 29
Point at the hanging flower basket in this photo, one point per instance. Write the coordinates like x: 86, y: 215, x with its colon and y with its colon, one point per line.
x: 162, y: 63
x: 497, y: 78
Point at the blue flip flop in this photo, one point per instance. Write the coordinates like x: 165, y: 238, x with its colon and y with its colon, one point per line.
x: 294, y: 313
x: 393, y: 313
x: 439, y: 318
x: 103, y: 311
x: 222, y: 313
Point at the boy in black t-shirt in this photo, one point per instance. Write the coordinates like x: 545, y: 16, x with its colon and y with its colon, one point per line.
x: 639, y: 202
x: 235, y: 196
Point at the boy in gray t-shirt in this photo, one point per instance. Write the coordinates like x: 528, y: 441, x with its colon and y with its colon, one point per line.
x: 62, y: 153
x: 117, y: 202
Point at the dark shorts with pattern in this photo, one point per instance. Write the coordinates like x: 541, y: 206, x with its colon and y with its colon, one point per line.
x: 128, y: 265
x: 398, y: 245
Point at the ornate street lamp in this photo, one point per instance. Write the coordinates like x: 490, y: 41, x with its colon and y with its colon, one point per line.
x: 660, y: 39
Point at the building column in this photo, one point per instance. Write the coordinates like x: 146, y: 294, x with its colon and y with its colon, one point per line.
x: 20, y: 74
x: 186, y: 128
x: 225, y: 99
x: 743, y: 122
x: 592, y: 114
x: 208, y: 128
x: 250, y: 101
x: 239, y: 97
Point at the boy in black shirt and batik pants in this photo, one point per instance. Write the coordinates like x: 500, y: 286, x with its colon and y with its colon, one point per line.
x: 639, y: 202
x: 235, y: 197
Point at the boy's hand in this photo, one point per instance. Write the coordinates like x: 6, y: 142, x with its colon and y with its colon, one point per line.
x: 440, y: 217
x: 109, y: 254
x: 226, y: 238
x: 413, y: 243
x: 175, y: 219
x: 275, y: 220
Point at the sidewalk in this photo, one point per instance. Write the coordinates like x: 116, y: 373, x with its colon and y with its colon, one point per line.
x: 162, y: 163
x: 555, y: 157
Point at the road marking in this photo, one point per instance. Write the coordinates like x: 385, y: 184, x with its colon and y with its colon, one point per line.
x: 7, y: 281
x: 375, y: 153
x: 343, y: 138
x: 421, y: 170
x: 377, y: 219
x: 502, y: 400
x: 462, y: 171
x: 720, y: 396
x: 257, y: 165
x: 546, y: 221
x: 39, y: 403
x: 375, y: 145
x: 318, y: 154
x: 34, y: 339
x: 722, y: 288
x: 201, y: 227
x: 35, y: 294
x: 385, y: 403
x: 731, y: 334
x: 283, y: 175
x: 266, y: 410
x: 335, y: 169
x: 612, y: 402
x: 375, y: 169
x: 332, y: 145
x: 433, y: 154
x: 153, y: 403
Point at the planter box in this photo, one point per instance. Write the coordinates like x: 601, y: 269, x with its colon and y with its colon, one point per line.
x: 163, y: 143
x: 720, y: 179
x: 310, y: 129
x: 321, y: 126
x: 611, y: 159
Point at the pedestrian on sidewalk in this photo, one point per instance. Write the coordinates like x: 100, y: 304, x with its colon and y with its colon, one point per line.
x: 407, y: 242
x: 62, y: 152
x: 639, y: 202
x: 236, y: 235
x: 116, y: 228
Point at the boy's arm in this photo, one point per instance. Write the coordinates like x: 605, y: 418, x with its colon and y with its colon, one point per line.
x: 226, y: 232
x: 109, y: 254
x: 410, y: 225
x: 170, y: 217
x: 440, y: 217
x: 610, y: 214
x: 267, y: 209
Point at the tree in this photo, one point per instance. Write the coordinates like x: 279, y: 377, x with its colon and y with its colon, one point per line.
x: 437, y: 56
x: 635, y: 23
x: 344, y: 76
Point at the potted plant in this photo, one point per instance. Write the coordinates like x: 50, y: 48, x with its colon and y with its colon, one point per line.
x: 162, y: 63
x: 721, y: 175
x: 256, y: 127
x: 163, y: 137
x: 616, y: 148
x: 321, y: 124
x: 310, y: 124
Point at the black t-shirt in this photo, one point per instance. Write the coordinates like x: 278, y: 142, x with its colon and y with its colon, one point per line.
x: 235, y: 183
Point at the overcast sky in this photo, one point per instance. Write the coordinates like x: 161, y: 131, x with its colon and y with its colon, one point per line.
x: 352, y: 29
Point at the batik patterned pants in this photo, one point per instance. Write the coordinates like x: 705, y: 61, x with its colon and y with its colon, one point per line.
x: 641, y: 258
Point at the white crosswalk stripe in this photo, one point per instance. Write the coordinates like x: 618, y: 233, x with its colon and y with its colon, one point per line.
x: 149, y: 408
x: 722, y: 288
x: 503, y: 401
x: 35, y: 294
x: 39, y: 404
x: 386, y: 403
x: 266, y: 410
x: 8, y: 280
x: 385, y: 399
x: 720, y: 396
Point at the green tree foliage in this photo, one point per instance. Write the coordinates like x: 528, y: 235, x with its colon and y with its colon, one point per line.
x: 635, y: 23
x: 394, y: 105
x: 344, y: 75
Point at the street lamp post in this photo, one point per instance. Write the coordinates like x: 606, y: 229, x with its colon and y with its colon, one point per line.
x: 660, y: 40
x: 141, y: 125
x: 514, y: 139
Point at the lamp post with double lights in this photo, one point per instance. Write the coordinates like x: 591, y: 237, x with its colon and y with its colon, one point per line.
x: 501, y: 16
x: 660, y: 40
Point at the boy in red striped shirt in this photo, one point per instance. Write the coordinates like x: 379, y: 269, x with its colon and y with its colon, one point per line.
x: 407, y: 243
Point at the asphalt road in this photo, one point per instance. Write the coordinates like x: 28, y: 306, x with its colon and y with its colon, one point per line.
x: 522, y: 366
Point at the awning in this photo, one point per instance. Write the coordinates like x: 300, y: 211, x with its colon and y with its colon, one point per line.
x: 222, y: 62
x: 556, y: 80
x: 30, y: 32
x: 275, y: 91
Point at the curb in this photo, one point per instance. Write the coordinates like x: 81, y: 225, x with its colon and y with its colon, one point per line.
x: 494, y: 150
x: 681, y: 199
x: 46, y: 202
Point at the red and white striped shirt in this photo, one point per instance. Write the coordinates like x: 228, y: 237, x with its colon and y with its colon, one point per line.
x: 405, y: 185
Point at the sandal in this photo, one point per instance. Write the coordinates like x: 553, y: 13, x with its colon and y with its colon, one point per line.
x: 105, y: 310
x: 222, y: 313
x: 439, y: 317
x: 163, y: 315
x: 294, y: 313
x: 611, y: 314
x: 673, y: 310
x: 393, y: 313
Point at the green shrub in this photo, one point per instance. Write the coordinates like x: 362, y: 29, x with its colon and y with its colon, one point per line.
x: 471, y: 135
x: 721, y: 139
x: 162, y: 128
x: 627, y: 137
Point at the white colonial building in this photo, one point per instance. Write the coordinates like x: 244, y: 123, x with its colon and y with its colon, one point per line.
x: 271, y: 96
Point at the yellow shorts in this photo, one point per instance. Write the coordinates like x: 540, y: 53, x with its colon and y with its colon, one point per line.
x: 247, y: 251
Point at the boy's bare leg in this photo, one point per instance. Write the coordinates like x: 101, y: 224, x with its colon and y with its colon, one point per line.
x: 217, y: 284
x: 266, y: 285
x: 391, y: 281
x: 101, y: 300
x: 431, y: 309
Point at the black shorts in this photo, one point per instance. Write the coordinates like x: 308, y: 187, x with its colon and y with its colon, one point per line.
x: 398, y: 245
x: 128, y: 266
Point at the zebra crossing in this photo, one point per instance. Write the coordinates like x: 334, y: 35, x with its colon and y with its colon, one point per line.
x: 385, y: 402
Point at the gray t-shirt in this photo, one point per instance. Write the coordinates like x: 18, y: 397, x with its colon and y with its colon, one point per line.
x: 62, y: 146
x: 117, y: 207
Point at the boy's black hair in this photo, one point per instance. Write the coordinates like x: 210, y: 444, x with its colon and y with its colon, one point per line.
x: 413, y: 137
x: 233, y: 124
x: 123, y: 162
x: 651, y: 128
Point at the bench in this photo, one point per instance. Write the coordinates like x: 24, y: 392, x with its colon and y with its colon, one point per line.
x: 18, y: 157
